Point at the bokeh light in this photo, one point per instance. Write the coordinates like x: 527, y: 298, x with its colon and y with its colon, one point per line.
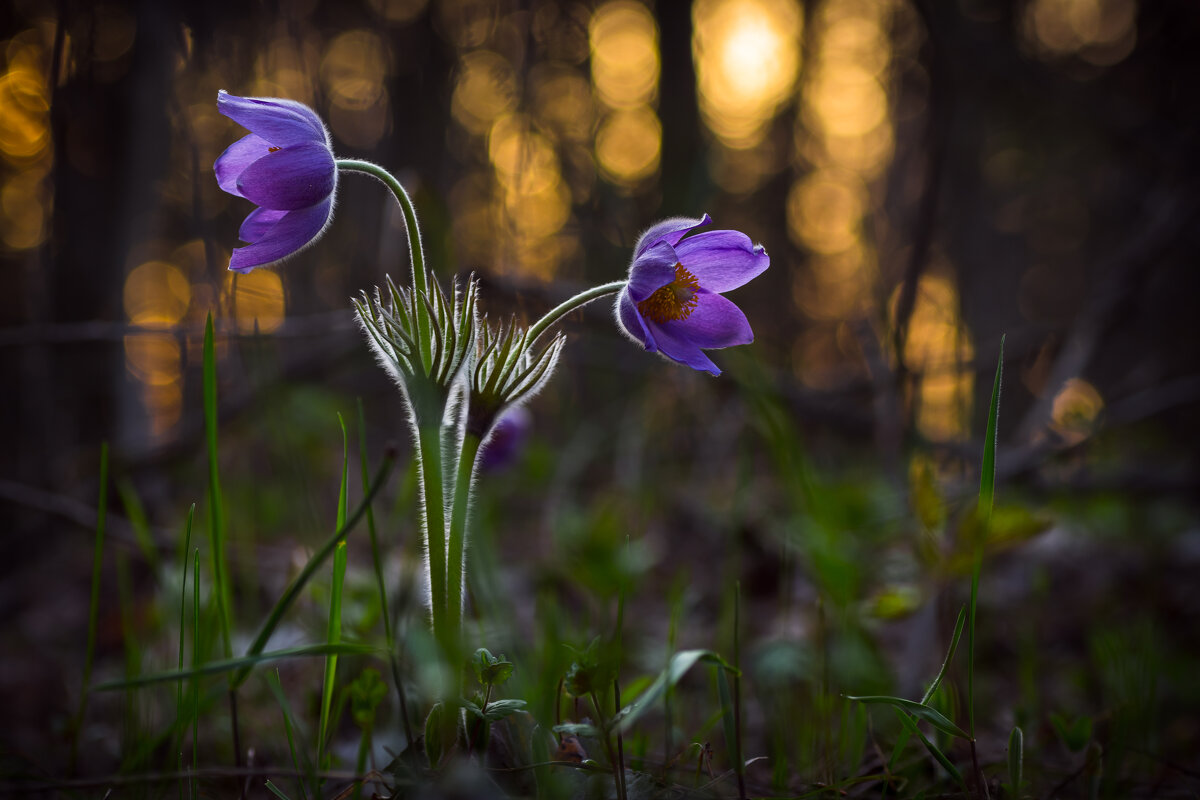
x: 624, y: 42
x: 628, y: 145
x: 747, y: 55
x: 938, y: 349
x: 1076, y: 410
x: 1102, y: 32
x: 256, y: 299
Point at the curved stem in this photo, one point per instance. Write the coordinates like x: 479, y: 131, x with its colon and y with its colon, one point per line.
x: 566, y: 307
x: 455, y: 561
x: 415, y: 248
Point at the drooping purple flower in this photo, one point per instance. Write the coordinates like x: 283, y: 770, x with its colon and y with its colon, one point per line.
x: 672, y: 302
x: 507, y: 439
x: 285, y: 167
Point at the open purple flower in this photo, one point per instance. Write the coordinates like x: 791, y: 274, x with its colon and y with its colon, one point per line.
x: 285, y: 167
x: 672, y: 302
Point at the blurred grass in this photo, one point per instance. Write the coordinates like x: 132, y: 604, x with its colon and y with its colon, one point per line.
x: 849, y: 586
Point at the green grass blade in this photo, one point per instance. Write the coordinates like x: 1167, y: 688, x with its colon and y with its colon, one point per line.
x: 94, y: 604
x: 136, y: 513
x: 195, y: 693
x: 924, y: 712
x: 958, y: 629
x: 275, y: 790
x: 288, y: 727
x: 334, y: 629
x: 727, y: 722
x: 678, y: 666
x: 987, y: 473
x: 297, y: 585
x: 987, y: 495
x: 234, y: 664
x: 1016, y: 760
x: 216, y: 510
x: 179, y: 718
x: 376, y: 558
x: 911, y: 725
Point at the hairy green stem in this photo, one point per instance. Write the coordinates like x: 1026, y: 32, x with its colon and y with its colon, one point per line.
x: 429, y: 443
x: 456, y: 550
x: 567, y: 306
x: 415, y: 249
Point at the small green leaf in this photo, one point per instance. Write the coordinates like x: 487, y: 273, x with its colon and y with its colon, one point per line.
x: 490, y: 670
x: 1075, y: 734
x: 366, y: 693
x: 499, y: 709
x: 678, y: 666
x: 924, y: 712
x: 1016, y: 760
x: 441, y: 730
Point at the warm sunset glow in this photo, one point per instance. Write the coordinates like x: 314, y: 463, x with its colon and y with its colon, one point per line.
x: 747, y: 55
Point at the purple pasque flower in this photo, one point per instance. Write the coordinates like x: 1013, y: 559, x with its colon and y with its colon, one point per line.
x: 507, y: 439
x: 672, y: 302
x: 285, y: 167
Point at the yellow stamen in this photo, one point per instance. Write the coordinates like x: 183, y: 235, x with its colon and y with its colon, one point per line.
x: 677, y: 300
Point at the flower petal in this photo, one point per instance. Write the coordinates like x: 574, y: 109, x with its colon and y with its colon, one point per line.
x: 236, y: 158
x: 292, y: 233
x: 633, y: 323
x: 680, y: 348
x: 722, y: 260
x: 715, y: 322
x: 280, y: 122
x: 651, y: 270
x: 258, y: 222
x: 669, y: 230
x: 292, y: 178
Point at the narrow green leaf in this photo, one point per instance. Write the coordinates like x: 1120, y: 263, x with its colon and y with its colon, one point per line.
x: 1016, y: 760
x: 911, y: 725
x: 194, y: 700
x: 678, y: 666
x: 987, y: 495
x: 276, y: 791
x: 334, y: 629
x: 727, y: 724
x: 314, y: 562
x: 244, y: 662
x: 288, y: 725
x: 93, y: 603
x: 136, y: 513
x: 924, y: 712
x: 216, y: 515
x: 958, y: 629
x: 987, y: 473
x: 179, y: 718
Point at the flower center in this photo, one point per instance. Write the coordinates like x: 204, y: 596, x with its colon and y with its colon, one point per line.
x: 677, y: 300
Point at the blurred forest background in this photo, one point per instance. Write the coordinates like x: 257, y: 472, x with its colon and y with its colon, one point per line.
x: 925, y: 175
